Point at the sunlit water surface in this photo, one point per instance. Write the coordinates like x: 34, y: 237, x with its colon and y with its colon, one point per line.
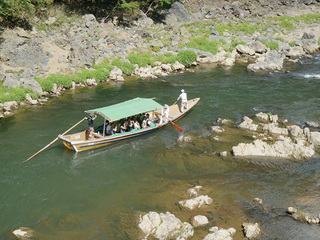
x: 97, y: 194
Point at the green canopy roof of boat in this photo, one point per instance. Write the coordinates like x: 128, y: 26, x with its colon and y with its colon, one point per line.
x: 126, y: 109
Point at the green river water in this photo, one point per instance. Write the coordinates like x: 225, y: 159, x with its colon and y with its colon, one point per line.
x: 98, y: 194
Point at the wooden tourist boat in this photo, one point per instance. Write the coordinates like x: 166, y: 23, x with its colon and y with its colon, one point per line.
x: 80, y: 141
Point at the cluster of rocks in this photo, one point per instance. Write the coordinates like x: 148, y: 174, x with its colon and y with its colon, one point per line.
x: 7, y: 109
x: 27, y: 55
x: 273, y: 138
x: 167, y: 226
x: 290, y: 141
x: 303, y: 216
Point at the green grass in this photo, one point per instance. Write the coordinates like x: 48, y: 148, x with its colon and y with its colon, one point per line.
x: 203, y: 43
x: 142, y: 59
x: 167, y: 58
x: 272, y: 45
x: 126, y: 67
x: 15, y: 94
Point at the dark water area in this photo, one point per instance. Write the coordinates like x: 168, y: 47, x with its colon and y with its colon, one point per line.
x: 97, y: 194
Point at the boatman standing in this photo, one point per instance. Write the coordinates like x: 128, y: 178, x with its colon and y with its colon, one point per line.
x: 90, y: 119
x: 184, y: 100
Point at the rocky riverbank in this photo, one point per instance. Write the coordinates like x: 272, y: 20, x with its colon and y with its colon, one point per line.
x: 239, y: 32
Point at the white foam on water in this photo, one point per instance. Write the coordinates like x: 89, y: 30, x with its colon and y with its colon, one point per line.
x: 312, y: 76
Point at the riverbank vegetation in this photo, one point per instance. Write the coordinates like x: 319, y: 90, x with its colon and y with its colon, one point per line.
x: 200, y: 37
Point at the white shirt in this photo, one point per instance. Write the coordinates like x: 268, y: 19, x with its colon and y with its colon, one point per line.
x: 183, y: 97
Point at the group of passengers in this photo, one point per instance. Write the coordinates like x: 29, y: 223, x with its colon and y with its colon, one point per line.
x: 133, y: 123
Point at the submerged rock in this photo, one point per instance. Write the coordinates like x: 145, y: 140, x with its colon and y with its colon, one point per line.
x: 24, y: 233
x: 302, y: 216
x: 196, y: 202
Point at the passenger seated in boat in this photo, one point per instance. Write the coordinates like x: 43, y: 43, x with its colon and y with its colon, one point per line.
x: 111, y: 129
x: 164, y: 114
x: 147, y: 122
x: 136, y: 125
x: 131, y: 125
x: 124, y: 128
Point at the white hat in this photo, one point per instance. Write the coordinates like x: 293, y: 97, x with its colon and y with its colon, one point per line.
x: 166, y: 105
x: 182, y: 90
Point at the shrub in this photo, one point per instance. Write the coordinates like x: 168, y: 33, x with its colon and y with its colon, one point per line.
x: 187, y: 57
x: 126, y: 67
x: 203, y: 43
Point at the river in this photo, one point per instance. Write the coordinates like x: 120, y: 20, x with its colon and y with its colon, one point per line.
x: 96, y: 194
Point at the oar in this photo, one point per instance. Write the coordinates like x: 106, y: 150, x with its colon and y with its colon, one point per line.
x: 176, y: 126
x: 54, y: 140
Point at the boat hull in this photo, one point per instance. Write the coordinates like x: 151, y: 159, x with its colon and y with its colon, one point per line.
x: 79, y: 142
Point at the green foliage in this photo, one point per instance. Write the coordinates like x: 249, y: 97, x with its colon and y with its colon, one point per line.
x: 203, y: 43
x: 126, y: 67
x: 15, y: 94
x: 280, y: 39
x: 130, y: 6
x: 319, y: 41
x: 187, y: 57
x: 142, y: 59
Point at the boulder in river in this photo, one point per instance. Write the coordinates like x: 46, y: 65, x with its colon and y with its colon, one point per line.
x: 220, y: 234
x: 165, y: 226
x: 251, y: 230
x: 196, y: 202
x: 199, y: 221
x: 268, y: 62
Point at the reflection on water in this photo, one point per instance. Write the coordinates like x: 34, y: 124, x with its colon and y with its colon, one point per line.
x: 98, y: 194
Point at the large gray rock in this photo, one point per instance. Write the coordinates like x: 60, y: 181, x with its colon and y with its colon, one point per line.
x: 258, y: 47
x: 90, y: 21
x: 244, y: 49
x: 8, y: 106
x: 177, y: 15
x: 143, y: 20
x: 11, y: 81
x: 81, y: 55
x: 295, y: 52
x: 23, y: 52
x: 271, y: 61
x: 31, y: 83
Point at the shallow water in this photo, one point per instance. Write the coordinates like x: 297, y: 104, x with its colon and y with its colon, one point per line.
x: 96, y: 194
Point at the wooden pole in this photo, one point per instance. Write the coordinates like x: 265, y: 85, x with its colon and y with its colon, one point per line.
x: 54, y: 140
